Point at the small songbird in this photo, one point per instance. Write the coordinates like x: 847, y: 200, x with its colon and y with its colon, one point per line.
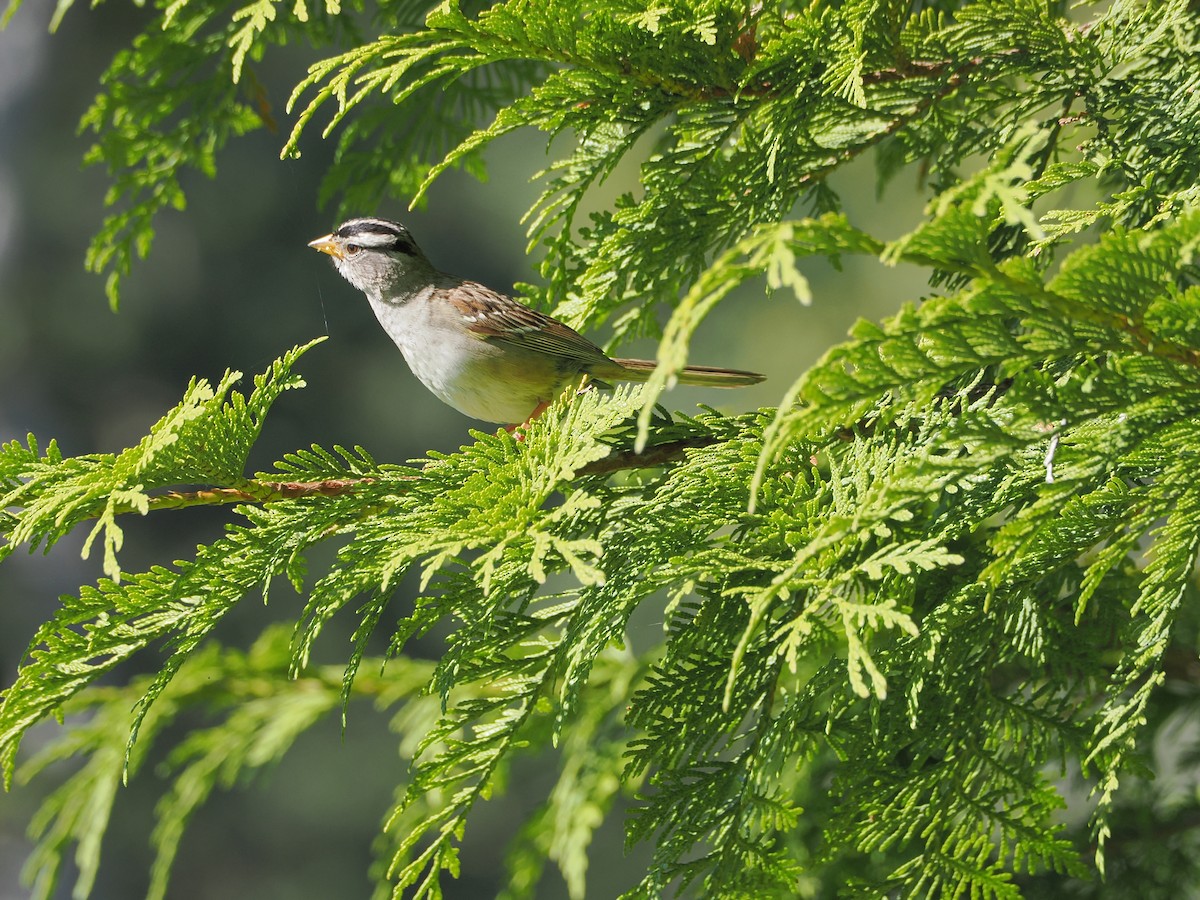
x: 481, y: 352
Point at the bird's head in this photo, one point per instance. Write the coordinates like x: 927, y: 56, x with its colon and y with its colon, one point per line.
x: 377, y: 256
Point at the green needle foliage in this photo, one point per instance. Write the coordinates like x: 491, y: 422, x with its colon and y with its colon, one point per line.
x: 923, y: 624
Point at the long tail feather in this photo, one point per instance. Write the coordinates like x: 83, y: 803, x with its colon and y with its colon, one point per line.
x: 709, y: 376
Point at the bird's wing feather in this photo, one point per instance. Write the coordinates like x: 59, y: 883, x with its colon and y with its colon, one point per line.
x: 493, y: 317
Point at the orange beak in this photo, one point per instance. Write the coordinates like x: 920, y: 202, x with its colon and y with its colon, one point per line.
x: 328, y: 245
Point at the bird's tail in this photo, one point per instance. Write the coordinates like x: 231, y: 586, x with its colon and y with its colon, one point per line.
x: 705, y: 376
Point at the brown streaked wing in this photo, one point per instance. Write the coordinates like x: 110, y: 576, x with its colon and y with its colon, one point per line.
x: 494, y: 317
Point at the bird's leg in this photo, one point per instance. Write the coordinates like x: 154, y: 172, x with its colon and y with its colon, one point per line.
x: 537, y: 411
x: 542, y: 407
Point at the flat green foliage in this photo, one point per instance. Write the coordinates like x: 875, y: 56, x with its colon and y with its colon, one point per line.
x: 905, y: 615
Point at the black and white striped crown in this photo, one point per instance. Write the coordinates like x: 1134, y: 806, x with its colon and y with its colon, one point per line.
x: 377, y: 234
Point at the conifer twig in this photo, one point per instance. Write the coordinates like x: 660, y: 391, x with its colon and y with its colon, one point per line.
x: 255, y: 492
x: 271, y: 491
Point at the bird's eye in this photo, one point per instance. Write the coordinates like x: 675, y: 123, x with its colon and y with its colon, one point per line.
x: 352, y: 249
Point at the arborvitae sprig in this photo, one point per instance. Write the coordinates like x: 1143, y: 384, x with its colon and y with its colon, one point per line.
x: 205, y: 439
x: 948, y: 575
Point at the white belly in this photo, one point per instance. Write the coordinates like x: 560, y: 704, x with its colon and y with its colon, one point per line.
x: 479, y: 379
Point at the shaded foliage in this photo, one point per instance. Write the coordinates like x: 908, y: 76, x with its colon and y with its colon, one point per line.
x: 904, y: 613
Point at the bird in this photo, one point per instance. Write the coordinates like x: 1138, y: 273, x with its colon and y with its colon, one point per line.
x: 481, y: 352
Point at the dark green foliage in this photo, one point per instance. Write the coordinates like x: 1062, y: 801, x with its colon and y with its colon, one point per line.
x: 905, y: 616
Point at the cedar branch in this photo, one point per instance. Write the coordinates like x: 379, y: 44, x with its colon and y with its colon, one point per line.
x: 273, y: 491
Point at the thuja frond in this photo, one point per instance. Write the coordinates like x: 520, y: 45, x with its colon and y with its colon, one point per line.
x: 772, y: 251
x: 1070, y: 442
x: 254, y: 712
x: 1098, y: 302
x: 892, y: 616
x: 103, y: 627
x: 1175, y: 542
x: 171, y: 101
x: 592, y: 748
x: 394, y: 68
x: 205, y: 439
x: 755, y: 109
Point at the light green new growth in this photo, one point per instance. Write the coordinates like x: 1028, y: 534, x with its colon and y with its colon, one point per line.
x: 905, y: 615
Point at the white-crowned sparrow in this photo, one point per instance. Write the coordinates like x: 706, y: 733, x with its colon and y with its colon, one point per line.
x: 483, y: 353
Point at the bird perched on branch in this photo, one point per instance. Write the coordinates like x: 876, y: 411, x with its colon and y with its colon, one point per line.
x: 481, y: 352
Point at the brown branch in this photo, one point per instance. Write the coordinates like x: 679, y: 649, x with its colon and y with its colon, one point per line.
x: 1146, y: 340
x: 658, y: 455
x: 273, y: 491
x: 932, y: 68
x: 255, y: 492
x: 954, y: 73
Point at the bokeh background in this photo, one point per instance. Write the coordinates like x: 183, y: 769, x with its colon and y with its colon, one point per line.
x: 230, y: 285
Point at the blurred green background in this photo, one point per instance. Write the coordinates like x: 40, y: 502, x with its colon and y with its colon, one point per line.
x: 230, y: 284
